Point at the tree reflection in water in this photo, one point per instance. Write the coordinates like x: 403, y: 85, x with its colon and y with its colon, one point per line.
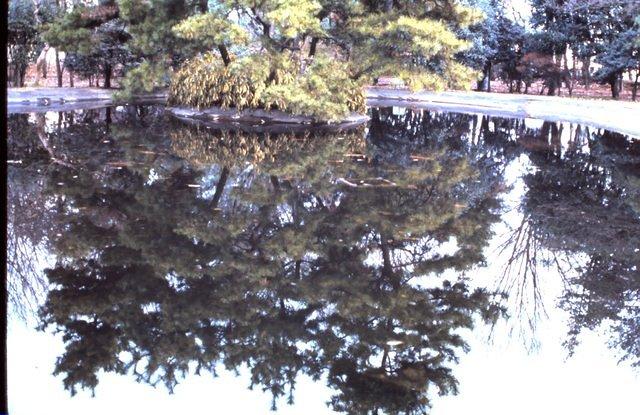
x: 340, y: 255
x: 583, y: 207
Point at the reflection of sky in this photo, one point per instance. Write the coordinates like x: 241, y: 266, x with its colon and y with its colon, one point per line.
x: 497, y: 377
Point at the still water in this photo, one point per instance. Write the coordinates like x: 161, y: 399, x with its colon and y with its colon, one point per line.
x: 427, y: 262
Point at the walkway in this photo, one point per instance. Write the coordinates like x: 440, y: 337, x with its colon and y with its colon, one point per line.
x: 618, y: 116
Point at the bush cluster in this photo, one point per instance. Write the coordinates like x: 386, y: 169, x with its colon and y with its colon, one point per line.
x: 323, y: 90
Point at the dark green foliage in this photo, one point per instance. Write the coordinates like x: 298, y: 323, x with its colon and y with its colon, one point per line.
x: 94, y: 37
x: 22, y: 39
x: 600, y: 31
x: 326, y: 254
x: 327, y: 50
x: 581, y: 217
x: 620, y: 55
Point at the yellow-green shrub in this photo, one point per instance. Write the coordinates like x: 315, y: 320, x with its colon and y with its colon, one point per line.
x: 323, y: 90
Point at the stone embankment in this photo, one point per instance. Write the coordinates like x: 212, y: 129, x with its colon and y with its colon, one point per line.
x: 25, y: 100
x: 623, y: 117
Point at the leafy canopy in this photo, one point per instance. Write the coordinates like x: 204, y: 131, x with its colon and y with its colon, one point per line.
x: 328, y: 49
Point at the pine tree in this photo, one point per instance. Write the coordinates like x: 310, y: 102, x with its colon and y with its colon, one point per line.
x: 94, y: 37
x: 312, y: 56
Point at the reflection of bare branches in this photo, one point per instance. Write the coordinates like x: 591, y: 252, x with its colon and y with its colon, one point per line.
x: 29, y: 220
x: 26, y: 284
x: 521, y: 279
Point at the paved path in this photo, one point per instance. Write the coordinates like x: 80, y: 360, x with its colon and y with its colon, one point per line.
x: 614, y: 115
x: 621, y: 116
x: 24, y: 100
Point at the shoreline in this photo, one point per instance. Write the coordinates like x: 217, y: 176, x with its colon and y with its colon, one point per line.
x: 619, y: 116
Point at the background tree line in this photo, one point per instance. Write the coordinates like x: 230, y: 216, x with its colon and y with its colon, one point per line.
x: 560, y: 44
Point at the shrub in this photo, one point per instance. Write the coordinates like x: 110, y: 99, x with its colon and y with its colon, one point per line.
x: 323, y: 90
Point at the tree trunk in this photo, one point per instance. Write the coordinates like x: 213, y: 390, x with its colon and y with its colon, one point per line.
x: 275, y: 183
x: 483, y: 84
x: 586, y: 73
x: 107, y: 76
x: 58, y: 69
x: 224, y: 53
x: 224, y: 175
x: 17, y: 75
x: 489, y: 77
x: 552, y: 87
x: 620, y: 83
x: 615, y: 91
x: 634, y: 91
x: 41, y: 122
x: 41, y: 64
x: 70, y: 78
x: 313, y: 47
x: 11, y: 77
x: 387, y: 265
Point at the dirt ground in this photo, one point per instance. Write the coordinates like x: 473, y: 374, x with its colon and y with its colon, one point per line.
x: 595, y: 91
x: 52, y: 80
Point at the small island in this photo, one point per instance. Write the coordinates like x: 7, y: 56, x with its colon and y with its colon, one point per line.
x: 306, y: 58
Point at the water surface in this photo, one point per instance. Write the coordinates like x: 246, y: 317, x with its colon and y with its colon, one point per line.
x: 426, y: 263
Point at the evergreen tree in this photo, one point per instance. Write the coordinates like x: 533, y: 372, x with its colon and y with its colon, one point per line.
x: 580, y: 217
x: 94, y: 37
x: 22, y: 39
x: 311, y: 57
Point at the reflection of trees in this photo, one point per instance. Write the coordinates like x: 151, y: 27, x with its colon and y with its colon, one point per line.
x: 320, y: 253
x: 37, y: 144
x: 28, y: 218
x: 324, y: 258
x: 580, y: 216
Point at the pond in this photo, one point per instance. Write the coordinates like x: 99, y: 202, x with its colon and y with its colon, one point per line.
x: 427, y: 262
